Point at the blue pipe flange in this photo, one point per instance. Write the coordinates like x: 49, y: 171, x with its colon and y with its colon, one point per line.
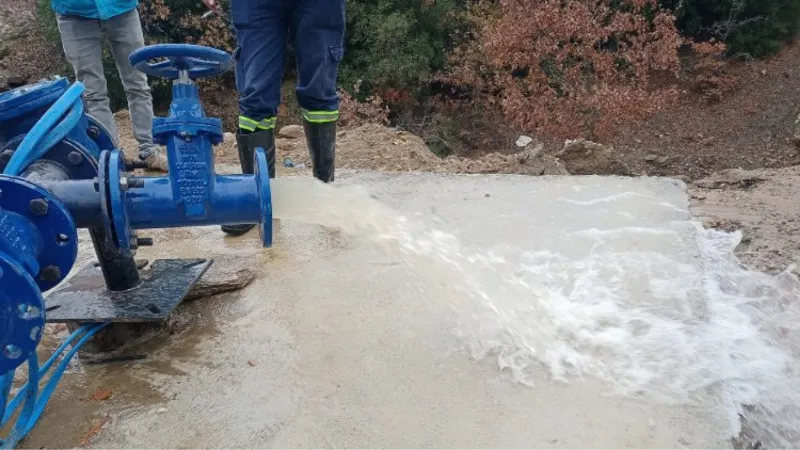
x: 196, y: 61
x: 113, y: 187
x: 21, y: 314
x: 26, y: 99
x: 68, y: 155
x: 264, y: 197
x: 37, y: 231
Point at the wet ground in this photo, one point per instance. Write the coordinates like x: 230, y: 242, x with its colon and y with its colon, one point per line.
x: 338, y: 343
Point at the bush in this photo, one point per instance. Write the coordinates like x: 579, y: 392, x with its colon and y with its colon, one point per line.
x: 753, y: 28
x: 396, y: 45
x: 568, y: 67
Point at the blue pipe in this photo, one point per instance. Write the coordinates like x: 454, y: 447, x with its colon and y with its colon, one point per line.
x: 48, y: 131
x: 234, y: 200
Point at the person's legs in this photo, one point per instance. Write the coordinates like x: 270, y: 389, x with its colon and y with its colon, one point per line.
x: 82, y: 40
x: 125, y: 36
x: 318, y: 33
x: 261, y: 36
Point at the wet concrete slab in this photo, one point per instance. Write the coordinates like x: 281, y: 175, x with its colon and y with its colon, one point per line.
x: 336, y: 344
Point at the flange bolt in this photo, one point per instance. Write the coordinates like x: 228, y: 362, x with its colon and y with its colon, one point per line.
x: 75, y: 158
x: 51, y: 274
x: 144, y: 241
x: 38, y: 206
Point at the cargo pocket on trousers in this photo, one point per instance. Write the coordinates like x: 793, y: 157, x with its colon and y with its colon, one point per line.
x: 336, y: 54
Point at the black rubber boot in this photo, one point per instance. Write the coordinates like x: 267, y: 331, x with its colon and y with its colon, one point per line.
x: 247, y: 144
x: 321, y: 139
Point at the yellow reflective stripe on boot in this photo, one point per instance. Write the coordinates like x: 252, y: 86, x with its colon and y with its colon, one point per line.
x: 320, y: 116
x: 246, y: 123
x: 267, y: 124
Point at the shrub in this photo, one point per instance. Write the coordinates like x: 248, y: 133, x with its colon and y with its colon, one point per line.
x: 753, y: 28
x: 568, y: 67
x: 394, y: 46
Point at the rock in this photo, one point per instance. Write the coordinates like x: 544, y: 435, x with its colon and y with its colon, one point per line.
x: 228, y: 137
x: 662, y: 160
x: 342, y: 134
x: 528, y: 155
x: 291, y: 132
x: 15, y: 81
x: 227, y: 274
x: 638, y: 141
x: 651, y: 157
x: 733, y: 178
x: 582, y: 157
x: 552, y: 166
x: 523, y: 141
x: 763, y: 71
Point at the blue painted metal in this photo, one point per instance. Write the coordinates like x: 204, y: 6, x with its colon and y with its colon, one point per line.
x: 56, y: 123
x: 75, y: 158
x: 33, y: 98
x: 37, y: 229
x: 38, y: 247
x: 21, y: 314
x: 198, y: 61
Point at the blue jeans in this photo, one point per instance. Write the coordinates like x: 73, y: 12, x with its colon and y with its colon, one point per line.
x: 316, y: 28
x: 82, y: 39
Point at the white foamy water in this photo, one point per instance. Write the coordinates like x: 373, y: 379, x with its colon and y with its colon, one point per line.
x: 663, y: 313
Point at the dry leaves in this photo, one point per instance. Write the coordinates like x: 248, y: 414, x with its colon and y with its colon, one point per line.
x: 569, y: 67
x: 100, y: 396
x: 92, y: 433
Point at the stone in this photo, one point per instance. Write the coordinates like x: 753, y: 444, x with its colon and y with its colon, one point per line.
x: 291, y: 132
x: 662, y: 160
x: 583, y: 157
x: 523, y: 141
x: 733, y: 178
x: 651, y: 157
x: 225, y: 275
x: 552, y: 166
x: 15, y: 81
x: 228, y: 137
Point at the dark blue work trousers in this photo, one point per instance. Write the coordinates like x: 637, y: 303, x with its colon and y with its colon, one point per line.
x: 316, y: 28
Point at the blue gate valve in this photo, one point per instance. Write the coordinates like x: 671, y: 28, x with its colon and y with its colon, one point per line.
x: 193, y: 194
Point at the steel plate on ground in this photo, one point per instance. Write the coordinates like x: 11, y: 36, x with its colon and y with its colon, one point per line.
x: 84, y: 298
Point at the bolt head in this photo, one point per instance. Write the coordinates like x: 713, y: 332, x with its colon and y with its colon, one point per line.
x: 50, y: 274
x: 93, y: 132
x: 75, y: 158
x: 38, y: 206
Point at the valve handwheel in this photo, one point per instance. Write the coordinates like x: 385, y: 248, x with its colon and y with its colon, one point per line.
x: 196, y: 60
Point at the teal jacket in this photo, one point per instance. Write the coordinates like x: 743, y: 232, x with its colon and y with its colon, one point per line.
x: 93, y: 9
